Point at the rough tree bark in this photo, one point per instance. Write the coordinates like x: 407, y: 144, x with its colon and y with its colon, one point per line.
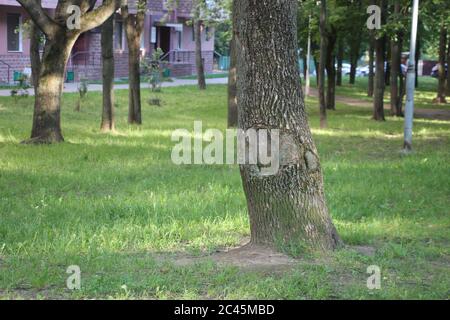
x: 287, y: 208
x: 134, y: 26
x: 331, y: 70
x: 322, y: 63
x: 59, y: 43
x: 108, y: 75
x: 232, y: 99
x: 370, y: 86
x: 442, y: 53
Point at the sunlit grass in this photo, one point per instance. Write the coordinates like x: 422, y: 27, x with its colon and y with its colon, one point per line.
x: 110, y: 202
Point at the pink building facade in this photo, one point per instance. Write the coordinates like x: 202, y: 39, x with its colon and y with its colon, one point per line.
x: 172, y: 32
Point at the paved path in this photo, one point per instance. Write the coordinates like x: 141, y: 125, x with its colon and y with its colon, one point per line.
x: 73, y: 87
x: 434, y: 114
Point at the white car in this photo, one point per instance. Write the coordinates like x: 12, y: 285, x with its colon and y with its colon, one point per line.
x: 346, y: 67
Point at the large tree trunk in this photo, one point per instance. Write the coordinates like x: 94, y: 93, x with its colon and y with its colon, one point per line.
x: 378, y: 99
x: 322, y: 63
x: 340, y: 59
x: 108, y: 75
x: 47, y: 111
x: 198, y: 55
x: 331, y: 71
x: 370, y: 86
x: 442, y: 48
x: 287, y: 208
x: 232, y: 99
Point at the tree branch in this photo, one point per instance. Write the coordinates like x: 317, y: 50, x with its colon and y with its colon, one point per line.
x: 47, y: 25
x: 98, y: 16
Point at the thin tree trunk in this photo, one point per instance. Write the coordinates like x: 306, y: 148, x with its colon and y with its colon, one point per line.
x: 232, y: 99
x: 354, y: 56
x: 198, y: 55
x: 133, y: 28
x: 378, y: 100
x: 387, y: 73
x: 418, y: 55
x: 322, y: 63
x: 308, y: 61
x: 448, y: 69
x: 370, y: 86
x: 288, y: 208
x: 108, y: 75
x: 340, y: 59
x: 395, y: 67
x: 331, y: 71
x: 317, y: 67
x: 395, y: 64
x: 442, y: 53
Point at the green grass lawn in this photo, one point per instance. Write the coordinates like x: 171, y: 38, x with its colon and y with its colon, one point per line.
x: 113, y: 204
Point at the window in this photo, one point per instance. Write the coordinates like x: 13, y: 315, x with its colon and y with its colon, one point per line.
x: 208, y: 35
x: 180, y: 39
x: 14, y: 32
x: 118, y: 36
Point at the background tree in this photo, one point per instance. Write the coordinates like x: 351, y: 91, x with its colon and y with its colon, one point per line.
x: 58, y: 46
x: 397, y: 22
x: 380, y: 43
x: 134, y: 26
x: 355, y: 20
x: 199, y: 8
x: 287, y: 208
x: 108, y: 75
x: 371, y: 80
x: 442, y: 57
x: 322, y: 63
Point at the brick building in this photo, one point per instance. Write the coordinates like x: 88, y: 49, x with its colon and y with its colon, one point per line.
x: 170, y: 31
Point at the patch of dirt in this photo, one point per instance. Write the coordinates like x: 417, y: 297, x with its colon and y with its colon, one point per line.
x: 248, y: 256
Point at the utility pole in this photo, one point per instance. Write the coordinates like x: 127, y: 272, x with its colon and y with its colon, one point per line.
x: 308, y: 60
x: 410, y: 82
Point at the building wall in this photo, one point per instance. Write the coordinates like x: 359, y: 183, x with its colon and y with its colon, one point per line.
x: 88, y: 65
